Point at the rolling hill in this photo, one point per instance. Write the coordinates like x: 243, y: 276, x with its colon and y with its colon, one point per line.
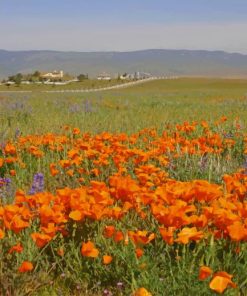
x: 154, y: 61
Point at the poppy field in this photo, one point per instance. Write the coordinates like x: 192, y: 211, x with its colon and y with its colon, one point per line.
x: 125, y: 195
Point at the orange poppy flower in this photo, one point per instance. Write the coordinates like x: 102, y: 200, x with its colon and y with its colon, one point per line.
x: 65, y: 163
x: 167, y: 234
x: 17, y: 248
x: 188, y: 234
x: 237, y: 231
x: 88, y: 250
x: 53, y: 169
x: 109, y: 231
x: 60, y: 252
x: 139, y: 252
x: 118, y: 237
x: 221, y: 280
x: 40, y: 239
x: 73, y: 153
x: 17, y: 224
x: 107, y: 259
x: 76, y: 215
x: 95, y: 172
x: 70, y: 173
x: 12, y: 173
x: 76, y: 131
x: 10, y: 149
x: 204, y: 272
x: 141, y: 237
x: 142, y: 292
x: 25, y: 266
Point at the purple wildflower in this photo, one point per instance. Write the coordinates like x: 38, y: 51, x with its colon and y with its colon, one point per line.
x: 38, y: 184
x: 74, y: 108
x: 88, y: 107
x: 6, y: 190
x: 4, y: 181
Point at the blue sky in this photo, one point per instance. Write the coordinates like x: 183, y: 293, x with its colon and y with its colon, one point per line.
x: 95, y: 25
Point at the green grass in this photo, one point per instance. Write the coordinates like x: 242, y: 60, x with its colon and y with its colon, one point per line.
x: 169, y: 270
x: 86, y: 84
x: 128, y: 110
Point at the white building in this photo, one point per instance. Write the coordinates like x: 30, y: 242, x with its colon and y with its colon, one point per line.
x: 9, y: 82
x: 25, y: 82
x: 104, y: 76
x: 53, y: 75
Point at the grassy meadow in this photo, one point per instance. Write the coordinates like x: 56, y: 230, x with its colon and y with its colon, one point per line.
x: 139, y: 191
x: 127, y: 110
x: 84, y: 84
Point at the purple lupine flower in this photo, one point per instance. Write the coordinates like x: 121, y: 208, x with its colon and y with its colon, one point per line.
x: 7, y: 181
x: 74, y: 108
x: 6, y: 189
x: 38, y: 184
x: 4, y: 182
x: 88, y: 107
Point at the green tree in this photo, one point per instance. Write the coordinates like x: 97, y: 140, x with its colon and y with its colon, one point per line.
x: 36, y: 73
x: 18, y: 79
x: 82, y: 77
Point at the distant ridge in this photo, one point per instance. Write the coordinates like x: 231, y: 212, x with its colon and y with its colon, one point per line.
x: 154, y: 61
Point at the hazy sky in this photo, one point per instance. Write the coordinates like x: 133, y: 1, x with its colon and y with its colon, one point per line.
x: 95, y: 25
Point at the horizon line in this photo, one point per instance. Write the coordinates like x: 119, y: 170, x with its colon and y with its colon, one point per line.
x: 124, y: 51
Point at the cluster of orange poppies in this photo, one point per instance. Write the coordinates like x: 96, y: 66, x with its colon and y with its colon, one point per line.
x: 220, y: 280
x: 83, y: 156
x: 185, y: 211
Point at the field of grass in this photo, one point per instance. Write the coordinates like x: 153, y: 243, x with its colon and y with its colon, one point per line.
x: 85, y: 84
x: 139, y: 191
x: 128, y: 110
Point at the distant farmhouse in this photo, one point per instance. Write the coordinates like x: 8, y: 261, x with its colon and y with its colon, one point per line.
x: 104, y: 76
x: 52, y: 75
x: 53, y: 78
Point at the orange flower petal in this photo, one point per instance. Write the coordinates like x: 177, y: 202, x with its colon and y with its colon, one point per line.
x: 142, y: 292
x: 76, y: 215
x: 204, y: 272
x: 88, y: 250
x: 17, y: 248
x: 25, y: 266
x: 220, y: 282
x: 139, y: 252
x: 109, y: 231
x: 107, y: 259
x: 237, y: 231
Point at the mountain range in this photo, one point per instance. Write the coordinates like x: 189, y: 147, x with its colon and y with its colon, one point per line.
x: 154, y: 61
